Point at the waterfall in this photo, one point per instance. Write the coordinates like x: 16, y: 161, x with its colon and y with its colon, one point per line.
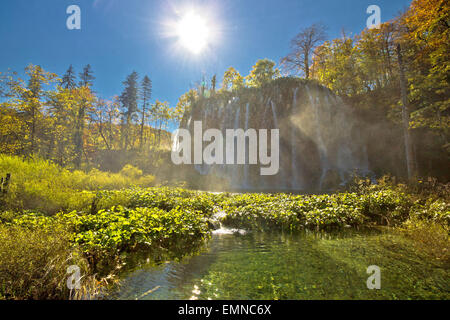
x: 216, y: 222
x: 319, y: 139
x: 189, y: 122
x: 246, y: 166
x: 283, y: 181
x: 274, y: 113
x: 265, y: 124
x: 318, y: 148
x: 224, y: 124
x: 295, y: 182
x: 204, y: 169
x: 235, y: 168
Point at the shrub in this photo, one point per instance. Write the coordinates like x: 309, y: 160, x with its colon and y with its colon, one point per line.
x: 103, y: 236
x: 293, y: 212
x: 33, y: 263
x: 131, y: 172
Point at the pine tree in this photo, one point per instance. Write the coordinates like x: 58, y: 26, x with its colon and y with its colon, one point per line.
x: 84, y: 103
x: 68, y: 80
x: 32, y: 104
x: 129, y: 100
x: 146, y: 93
x: 86, y: 77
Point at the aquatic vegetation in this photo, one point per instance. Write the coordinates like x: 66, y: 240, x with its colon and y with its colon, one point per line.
x: 288, y: 212
x: 304, y: 266
x: 108, y: 233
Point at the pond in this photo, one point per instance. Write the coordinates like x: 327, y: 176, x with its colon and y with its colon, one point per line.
x: 309, y: 265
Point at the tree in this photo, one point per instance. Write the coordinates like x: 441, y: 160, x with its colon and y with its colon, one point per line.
x: 374, y: 51
x: 111, y: 113
x: 70, y: 124
x: 146, y: 93
x: 405, y: 116
x: 185, y: 103
x: 68, y: 80
x: 161, y: 113
x: 12, y: 127
x: 232, y: 80
x: 214, y: 83
x: 62, y: 120
x: 86, y: 77
x: 129, y: 100
x: 335, y: 66
x: 302, y: 48
x: 31, y: 103
x: 262, y: 72
x: 84, y: 99
x: 426, y: 45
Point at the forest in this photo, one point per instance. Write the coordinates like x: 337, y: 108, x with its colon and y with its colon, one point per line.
x: 63, y: 120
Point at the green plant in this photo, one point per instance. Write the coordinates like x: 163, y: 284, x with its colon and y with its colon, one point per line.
x: 43, y: 186
x: 33, y: 263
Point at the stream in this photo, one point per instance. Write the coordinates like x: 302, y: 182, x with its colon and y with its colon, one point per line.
x: 309, y: 265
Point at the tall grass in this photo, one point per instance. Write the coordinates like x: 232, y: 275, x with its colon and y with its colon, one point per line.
x: 33, y: 263
x: 43, y: 186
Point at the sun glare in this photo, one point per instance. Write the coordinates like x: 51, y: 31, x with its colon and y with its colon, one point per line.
x: 192, y: 29
x: 192, y: 32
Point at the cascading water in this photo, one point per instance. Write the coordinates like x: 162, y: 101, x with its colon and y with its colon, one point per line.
x: 235, y: 179
x: 295, y: 182
x: 246, y: 166
x: 274, y: 114
x: 319, y: 145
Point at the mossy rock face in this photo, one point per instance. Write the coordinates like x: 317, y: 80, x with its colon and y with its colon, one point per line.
x: 317, y: 132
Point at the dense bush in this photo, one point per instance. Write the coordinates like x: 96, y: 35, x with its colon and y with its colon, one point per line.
x: 103, y: 236
x: 385, y: 207
x: 121, y: 229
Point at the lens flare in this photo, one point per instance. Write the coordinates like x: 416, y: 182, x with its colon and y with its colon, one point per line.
x: 192, y: 32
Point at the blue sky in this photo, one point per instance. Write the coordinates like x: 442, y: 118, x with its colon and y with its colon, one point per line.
x: 119, y: 36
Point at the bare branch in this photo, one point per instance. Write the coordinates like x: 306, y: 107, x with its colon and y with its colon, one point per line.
x: 302, y: 48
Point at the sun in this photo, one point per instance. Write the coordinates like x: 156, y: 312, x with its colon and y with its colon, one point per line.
x: 193, y: 33
x: 193, y: 29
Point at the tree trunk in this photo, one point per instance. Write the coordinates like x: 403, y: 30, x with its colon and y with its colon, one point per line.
x: 406, y: 117
x: 306, y: 66
x: 33, y: 129
x: 103, y: 136
x: 79, y: 145
x: 141, y: 141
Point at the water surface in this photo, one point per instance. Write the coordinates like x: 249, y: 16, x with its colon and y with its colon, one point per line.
x: 304, y: 266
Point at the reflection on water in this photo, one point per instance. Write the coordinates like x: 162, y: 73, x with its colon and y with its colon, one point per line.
x: 305, y: 266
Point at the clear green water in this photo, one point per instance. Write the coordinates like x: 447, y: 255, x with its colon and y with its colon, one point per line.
x: 293, y: 267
